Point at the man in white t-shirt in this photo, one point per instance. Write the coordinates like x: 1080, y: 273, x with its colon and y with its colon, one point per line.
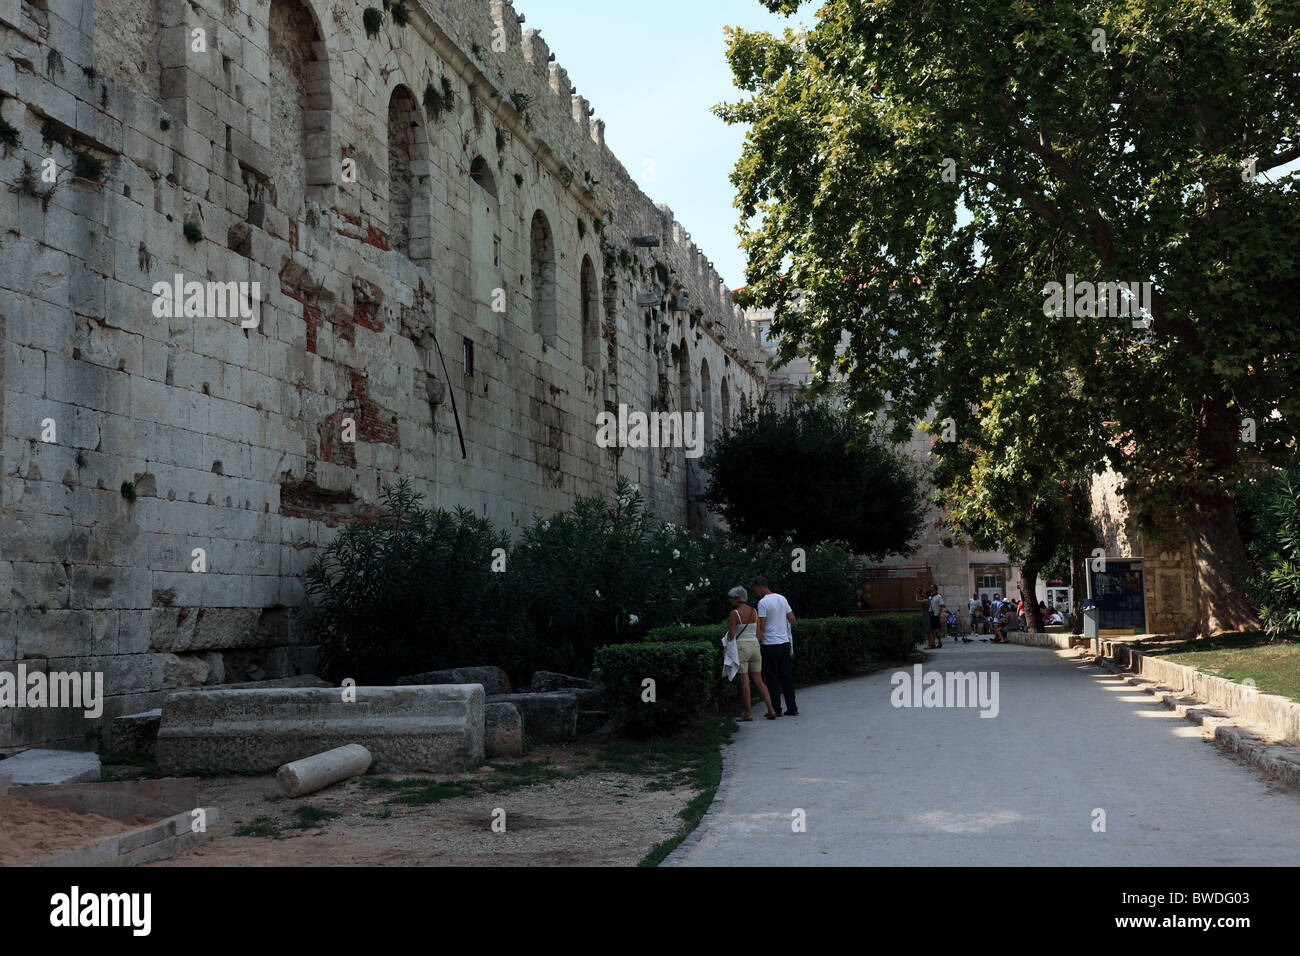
x: 774, y: 639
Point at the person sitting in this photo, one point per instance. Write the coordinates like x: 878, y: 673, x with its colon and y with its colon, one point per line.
x: 1056, y: 617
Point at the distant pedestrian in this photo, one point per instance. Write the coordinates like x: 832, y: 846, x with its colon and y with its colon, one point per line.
x: 973, y: 605
x: 936, y: 620
x: 775, y: 641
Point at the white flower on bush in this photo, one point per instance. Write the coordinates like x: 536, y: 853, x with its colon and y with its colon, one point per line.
x: 632, y: 619
x: 597, y: 595
x: 676, y: 554
x: 690, y: 587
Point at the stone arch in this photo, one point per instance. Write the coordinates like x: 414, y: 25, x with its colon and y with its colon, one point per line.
x: 590, y: 291
x: 408, y: 172
x: 725, y: 396
x: 300, y: 106
x: 706, y: 399
x: 542, y: 254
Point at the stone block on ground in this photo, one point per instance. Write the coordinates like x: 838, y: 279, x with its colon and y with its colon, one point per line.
x: 302, y: 680
x: 37, y: 767
x: 135, y: 735
x: 546, y: 681
x: 423, y: 729
x: 493, y: 679
x: 594, y: 722
x: 321, y: 770
x: 547, y: 716
x: 504, y: 729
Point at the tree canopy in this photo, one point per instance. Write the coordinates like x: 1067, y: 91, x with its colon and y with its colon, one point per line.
x: 816, y: 474
x: 1130, y: 141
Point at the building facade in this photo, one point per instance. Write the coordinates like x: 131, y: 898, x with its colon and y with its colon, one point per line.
x: 261, y: 258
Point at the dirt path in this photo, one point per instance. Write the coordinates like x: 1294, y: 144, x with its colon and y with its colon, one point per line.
x: 597, y: 818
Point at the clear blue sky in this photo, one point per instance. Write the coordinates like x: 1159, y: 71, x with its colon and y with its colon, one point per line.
x: 651, y: 72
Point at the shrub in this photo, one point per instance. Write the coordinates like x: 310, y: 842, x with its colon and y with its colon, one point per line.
x: 372, y: 19
x: 1270, y: 512
x: 824, y: 648
x: 683, y: 672
x: 411, y: 591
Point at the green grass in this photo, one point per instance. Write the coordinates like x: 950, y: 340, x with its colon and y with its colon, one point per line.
x: 262, y: 827
x: 1273, y: 664
x: 692, y: 759
x: 312, y: 818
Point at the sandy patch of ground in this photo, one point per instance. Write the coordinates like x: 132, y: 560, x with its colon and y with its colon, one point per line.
x: 31, y: 832
x: 597, y: 818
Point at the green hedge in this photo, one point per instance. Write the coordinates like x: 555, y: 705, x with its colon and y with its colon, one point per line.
x: 684, y: 673
x: 825, y: 647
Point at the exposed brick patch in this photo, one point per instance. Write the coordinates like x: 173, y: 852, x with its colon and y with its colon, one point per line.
x: 304, y: 498
x: 367, y: 298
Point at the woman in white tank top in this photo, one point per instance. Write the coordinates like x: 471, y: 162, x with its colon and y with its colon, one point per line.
x: 742, y: 627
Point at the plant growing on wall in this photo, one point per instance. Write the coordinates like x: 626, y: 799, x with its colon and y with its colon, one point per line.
x: 10, y: 138
x: 193, y: 231
x: 434, y: 102
x: 372, y: 19
x: 87, y: 166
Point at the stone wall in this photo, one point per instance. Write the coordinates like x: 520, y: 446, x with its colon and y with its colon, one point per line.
x: 400, y: 199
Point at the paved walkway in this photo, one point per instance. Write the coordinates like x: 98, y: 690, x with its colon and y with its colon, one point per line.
x: 943, y: 786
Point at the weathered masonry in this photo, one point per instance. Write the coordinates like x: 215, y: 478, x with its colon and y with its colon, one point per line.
x: 440, y: 245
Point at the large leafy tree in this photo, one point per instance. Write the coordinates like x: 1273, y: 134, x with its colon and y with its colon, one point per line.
x: 815, y: 473
x: 1129, y: 159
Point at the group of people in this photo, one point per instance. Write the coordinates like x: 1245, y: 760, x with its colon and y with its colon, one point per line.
x: 760, y: 645
x: 996, y: 616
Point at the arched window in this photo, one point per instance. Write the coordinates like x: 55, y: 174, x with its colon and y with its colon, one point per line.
x: 543, y: 258
x: 299, y: 101
x: 481, y: 173
x: 408, y: 222
x: 706, y: 399
x: 726, y: 405
x: 590, y: 315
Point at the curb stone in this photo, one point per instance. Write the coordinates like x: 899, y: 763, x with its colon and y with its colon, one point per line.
x: 1278, y: 761
x: 678, y: 856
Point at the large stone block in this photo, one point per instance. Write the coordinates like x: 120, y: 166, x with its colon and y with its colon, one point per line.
x: 550, y: 716
x: 431, y: 729
x: 135, y: 735
x: 504, y: 729
x: 493, y: 679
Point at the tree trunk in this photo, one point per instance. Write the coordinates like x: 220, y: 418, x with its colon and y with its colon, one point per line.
x: 1033, y: 617
x: 1217, y: 557
x: 1079, y: 582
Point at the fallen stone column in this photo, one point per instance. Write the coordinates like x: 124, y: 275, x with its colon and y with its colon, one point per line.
x: 315, y: 773
x: 430, y: 729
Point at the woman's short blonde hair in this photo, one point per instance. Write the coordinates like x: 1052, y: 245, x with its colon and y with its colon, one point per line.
x: 739, y: 593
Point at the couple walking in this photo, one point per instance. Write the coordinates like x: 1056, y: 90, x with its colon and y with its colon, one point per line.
x: 764, y: 647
